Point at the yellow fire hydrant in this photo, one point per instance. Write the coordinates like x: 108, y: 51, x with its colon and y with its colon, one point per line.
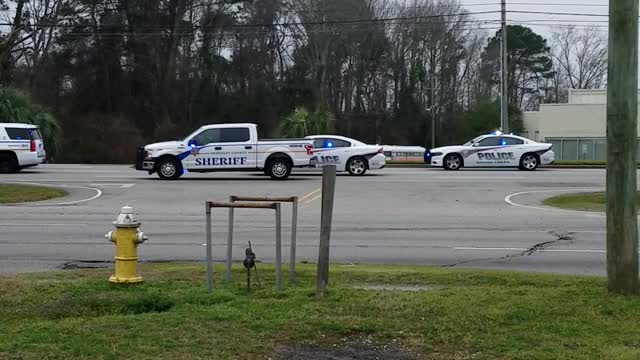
x: 127, y: 236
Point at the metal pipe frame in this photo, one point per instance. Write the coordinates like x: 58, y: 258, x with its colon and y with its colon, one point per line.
x: 231, y: 206
x: 294, y: 230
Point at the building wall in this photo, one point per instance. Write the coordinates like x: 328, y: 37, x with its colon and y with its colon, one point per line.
x: 577, y: 130
x: 566, y: 120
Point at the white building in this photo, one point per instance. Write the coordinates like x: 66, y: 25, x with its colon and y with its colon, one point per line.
x: 576, y: 129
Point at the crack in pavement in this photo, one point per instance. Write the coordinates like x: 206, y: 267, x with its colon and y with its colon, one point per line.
x: 560, y: 237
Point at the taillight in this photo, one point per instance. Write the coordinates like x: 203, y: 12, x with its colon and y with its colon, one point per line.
x: 33, y: 146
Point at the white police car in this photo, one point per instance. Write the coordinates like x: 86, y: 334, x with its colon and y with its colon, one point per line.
x: 21, y: 146
x: 347, y: 154
x: 493, y: 150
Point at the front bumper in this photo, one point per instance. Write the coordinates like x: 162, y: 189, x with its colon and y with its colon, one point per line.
x: 142, y: 162
x: 437, y: 160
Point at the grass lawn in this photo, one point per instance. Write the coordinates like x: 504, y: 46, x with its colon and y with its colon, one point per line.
x: 595, y: 201
x: 466, y: 315
x: 10, y: 193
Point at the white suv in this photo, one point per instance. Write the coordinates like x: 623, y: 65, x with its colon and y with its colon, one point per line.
x: 21, y: 146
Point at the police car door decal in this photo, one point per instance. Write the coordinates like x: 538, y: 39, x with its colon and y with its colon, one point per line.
x: 326, y: 153
x: 498, y: 153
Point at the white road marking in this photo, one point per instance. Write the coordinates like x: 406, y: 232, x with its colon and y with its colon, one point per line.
x: 75, y: 202
x: 478, y: 177
x: 525, y: 249
x: 115, y: 184
x: 24, y: 224
x: 82, y: 171
x: 312, y: 199
x: 308, y: 195
x: 508, y: 200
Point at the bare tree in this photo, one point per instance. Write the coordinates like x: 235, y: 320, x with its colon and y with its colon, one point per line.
x: 582, y: 56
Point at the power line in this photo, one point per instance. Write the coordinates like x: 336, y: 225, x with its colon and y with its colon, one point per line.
x: 569, y: 21
x: 554, y: 13
x: 282, y: 24
x: 557, y: 4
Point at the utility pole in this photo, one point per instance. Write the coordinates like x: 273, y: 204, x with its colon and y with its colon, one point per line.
x: 433, y: 99
x: 622, y: 138
x: 504, y: 91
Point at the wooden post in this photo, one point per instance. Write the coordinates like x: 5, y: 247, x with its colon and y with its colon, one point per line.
x: 209, y: 249
x: 278, y: 247
x: 328, y: 192
x: 622, y: 134
x: 294, y: 230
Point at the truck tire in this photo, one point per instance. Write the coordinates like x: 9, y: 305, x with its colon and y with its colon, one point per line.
x: 169, y: 168
x: 279, y: 168
x: 8, y: 164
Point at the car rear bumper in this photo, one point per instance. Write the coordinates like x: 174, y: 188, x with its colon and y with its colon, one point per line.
x: 30, y: 158
x: 377, y: 162
x: 548, y: 158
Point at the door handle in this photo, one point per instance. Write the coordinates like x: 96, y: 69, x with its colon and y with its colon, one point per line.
x: 248, y: 147
x: 218, y: 148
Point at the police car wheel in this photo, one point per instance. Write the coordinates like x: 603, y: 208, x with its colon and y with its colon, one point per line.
x: 356, y: 166
x: 529, y: 162
x: 279, y: 168
x: 169, y: 169
x: 452, y: 162
x: 8, y: 164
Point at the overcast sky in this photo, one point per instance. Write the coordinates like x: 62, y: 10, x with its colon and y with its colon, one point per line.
x: 543, y: 24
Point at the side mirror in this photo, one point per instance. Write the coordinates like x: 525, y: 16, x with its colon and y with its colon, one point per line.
x: 193, y: 142
x: 475, y: 144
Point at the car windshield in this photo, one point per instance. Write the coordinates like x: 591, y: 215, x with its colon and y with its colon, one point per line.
x: 475, y: 140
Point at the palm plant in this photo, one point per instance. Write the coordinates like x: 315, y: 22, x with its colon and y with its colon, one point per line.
x: 16, y: 107
x: 303, y: 122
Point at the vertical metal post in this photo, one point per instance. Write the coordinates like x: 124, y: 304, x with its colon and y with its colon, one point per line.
x: 504, y: 73
x: 328, y: 192
x: 229, y: 242
x: 294, y: 230
x: 209, y: 250
x: 278, y: 247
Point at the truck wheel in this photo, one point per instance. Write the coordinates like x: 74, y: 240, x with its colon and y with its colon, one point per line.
x: 279, y: 168
x: 8, y: 164
x: 169, y: 168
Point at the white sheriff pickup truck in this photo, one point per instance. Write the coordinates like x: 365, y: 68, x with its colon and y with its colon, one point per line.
x: 225, y: 147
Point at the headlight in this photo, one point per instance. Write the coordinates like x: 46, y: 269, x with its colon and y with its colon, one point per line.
x: 436, y: 154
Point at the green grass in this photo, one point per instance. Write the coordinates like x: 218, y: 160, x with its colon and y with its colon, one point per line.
x: 468, y: 315
x: 10, y: 193
x: 594, y: 201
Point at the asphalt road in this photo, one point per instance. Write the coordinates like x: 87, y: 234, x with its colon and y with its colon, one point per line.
x: 400, y: 216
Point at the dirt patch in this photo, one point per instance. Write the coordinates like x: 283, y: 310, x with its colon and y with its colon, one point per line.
x: 87, y: 264
x: 390, y: 287
x: 350, y: 350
